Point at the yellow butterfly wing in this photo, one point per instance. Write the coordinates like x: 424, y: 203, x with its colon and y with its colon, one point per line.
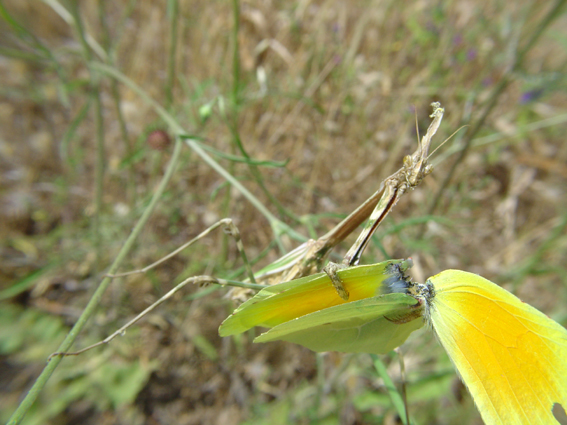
x: 372, y: 325
x: 283, y: 302
x: 512, y: 357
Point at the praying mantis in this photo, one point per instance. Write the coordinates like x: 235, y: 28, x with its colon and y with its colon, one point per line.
x: 309, y: 256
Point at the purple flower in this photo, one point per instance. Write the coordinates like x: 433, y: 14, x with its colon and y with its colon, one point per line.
x: 530, y: 96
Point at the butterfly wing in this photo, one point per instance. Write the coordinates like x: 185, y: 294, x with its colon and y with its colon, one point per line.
x: 512, y: 357
x: 373, y: 325
x: 286, y: 301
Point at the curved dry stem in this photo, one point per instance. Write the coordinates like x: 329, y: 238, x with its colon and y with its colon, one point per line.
x: 197, y: 280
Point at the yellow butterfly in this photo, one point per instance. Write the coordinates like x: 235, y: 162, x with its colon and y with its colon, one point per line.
x: 277, y: 306
x: 512, y: 358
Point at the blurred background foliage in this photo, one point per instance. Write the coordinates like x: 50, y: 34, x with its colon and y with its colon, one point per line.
x: 324, y: 97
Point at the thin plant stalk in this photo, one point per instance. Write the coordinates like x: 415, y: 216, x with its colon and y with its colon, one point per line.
x: 320, y: 387
x: 115, y: 92
x: 235, y: 53
x: 40, y: 382
x: 233, y: 119
x: 229, y: 228
x: 99, y: 125
x: 234, y: 102
x: 99, y: 172
x: 69, y: 19
x: 395, y: 396
x: 172, y: 12
x: 403, y: 378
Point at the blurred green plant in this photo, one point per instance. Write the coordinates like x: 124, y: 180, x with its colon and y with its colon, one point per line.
x: 106, y: 381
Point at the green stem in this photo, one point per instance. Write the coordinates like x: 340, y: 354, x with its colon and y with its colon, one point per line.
x: 99, y: 125
x: 99, y: 174
x: 395, y: 396
x: 97, y: 296
x: 235, y: 55
x: 234, y: 107
x: 172, y: 12
x: 245, y: 285
x: 106, y: 44
x: 233, y: 120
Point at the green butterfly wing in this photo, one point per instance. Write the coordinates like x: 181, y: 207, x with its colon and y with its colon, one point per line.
x: 373, y: 325
x: 280, y: 303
